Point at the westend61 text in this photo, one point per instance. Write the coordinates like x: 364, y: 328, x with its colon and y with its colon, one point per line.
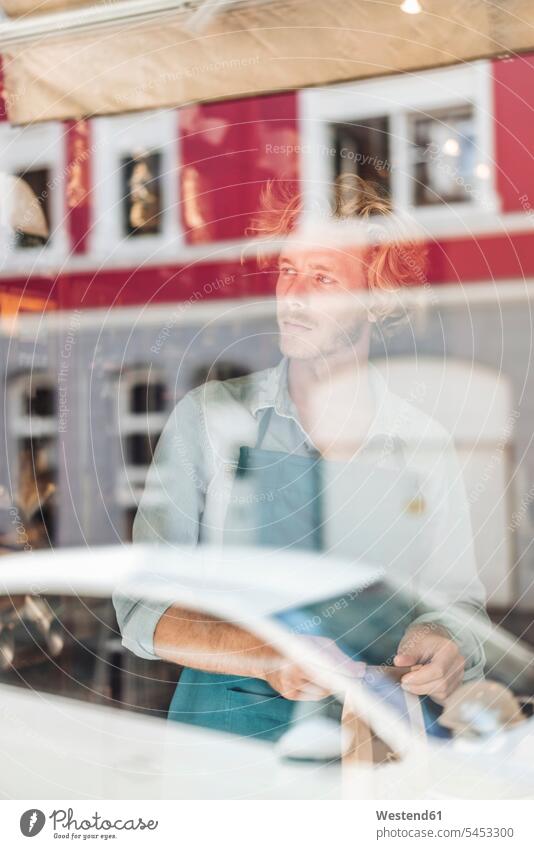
x: 409, y: 815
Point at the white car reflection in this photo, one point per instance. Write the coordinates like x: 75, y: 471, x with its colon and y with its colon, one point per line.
x: 56, y: 747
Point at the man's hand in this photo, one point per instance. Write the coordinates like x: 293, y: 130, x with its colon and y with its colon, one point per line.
x: 288, y: 679
x: 292, y: 682
x: 442, y: 665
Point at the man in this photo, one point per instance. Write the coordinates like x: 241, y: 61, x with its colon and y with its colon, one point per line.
x: 323, y: 405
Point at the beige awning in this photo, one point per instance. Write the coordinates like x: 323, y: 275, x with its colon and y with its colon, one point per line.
x: 73, y: 64
x: 17, y: 8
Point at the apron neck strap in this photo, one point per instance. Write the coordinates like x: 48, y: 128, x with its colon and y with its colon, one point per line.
x: 394, y: 444
x: 264, y: 425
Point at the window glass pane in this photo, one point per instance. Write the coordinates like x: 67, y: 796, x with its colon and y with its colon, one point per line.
x: 140, y: 448
x: 36, y: 492
x: 444, y: 157
x: 38, y: 180
x: 129, y: 517
x: 141, y: 192
x: 39, y: 401
x: 362, y: 148
x: 147, y: 398
x: 302, y: 350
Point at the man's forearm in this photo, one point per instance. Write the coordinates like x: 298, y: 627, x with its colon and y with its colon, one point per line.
x: 202, y: 642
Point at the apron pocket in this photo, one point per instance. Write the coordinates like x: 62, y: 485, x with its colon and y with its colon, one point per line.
x: 257, y: 715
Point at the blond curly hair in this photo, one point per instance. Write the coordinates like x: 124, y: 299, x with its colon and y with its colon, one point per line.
x: 395, y: 259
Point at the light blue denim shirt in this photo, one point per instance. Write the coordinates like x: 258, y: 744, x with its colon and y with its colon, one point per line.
x: 189, y: 483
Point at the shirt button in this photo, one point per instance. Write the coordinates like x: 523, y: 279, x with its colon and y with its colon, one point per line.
x: 416, y: 505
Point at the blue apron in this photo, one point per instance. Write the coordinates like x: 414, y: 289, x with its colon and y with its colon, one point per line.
x: 283, y: 490
x: 282, y: 510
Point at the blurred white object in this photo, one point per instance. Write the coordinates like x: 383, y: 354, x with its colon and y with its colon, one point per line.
x: 94, y: 751
x: 315, y: 739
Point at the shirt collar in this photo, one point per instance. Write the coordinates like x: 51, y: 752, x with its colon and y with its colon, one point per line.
x: 272, y: 391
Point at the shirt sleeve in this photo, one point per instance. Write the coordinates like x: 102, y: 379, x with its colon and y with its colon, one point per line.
x: 450, y: 573
x: 169, y: 513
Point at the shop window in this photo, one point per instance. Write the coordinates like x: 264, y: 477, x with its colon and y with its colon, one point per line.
x: 427, y: 142
x: 135, y: 197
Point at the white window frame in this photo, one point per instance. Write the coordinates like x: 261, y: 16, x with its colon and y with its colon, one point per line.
x: 397, y: 97
x: 23, y: 426
x: 131, y: 479
x: 118, y: 136
x: 27, y: 149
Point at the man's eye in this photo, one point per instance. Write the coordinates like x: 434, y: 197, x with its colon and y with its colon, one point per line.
x: 324, y: 280
x: 286, y: 269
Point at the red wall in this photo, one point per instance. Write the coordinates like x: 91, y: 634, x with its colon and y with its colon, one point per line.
x: 513, y: 91
x: 226, y: 161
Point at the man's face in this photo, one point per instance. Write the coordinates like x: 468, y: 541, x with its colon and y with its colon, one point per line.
x: 318, y: 308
